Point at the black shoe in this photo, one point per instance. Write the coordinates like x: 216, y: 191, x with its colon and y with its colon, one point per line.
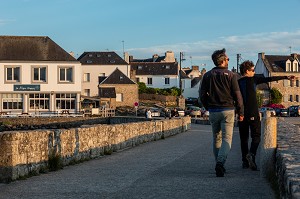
x: 219, y: 169
x: 251, y: 160
x: 245, y: 165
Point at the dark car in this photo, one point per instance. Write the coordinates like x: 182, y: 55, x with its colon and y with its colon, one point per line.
x: 191, y: 101
x: 294, y: 111
x: 284, y: 112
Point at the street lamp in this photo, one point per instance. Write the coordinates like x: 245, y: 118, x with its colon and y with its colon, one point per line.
x: 180, y: 60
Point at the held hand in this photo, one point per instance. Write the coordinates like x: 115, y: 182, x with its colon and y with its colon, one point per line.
x: 241, y: 118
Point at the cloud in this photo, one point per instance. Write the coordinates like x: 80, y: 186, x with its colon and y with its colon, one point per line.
x: 4, y: 22
x: 277, y: 43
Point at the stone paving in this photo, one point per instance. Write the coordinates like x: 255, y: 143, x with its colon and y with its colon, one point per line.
x: 180, y: 166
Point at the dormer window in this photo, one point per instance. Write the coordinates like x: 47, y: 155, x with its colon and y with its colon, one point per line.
x: 90, y: 55
x: 98, y: 55
x: 121, y: 77
x: 288, y: 67
x: 140, y: 67
x: 109, y: 55
x: 89, y: 61
x: 167, y: 66
x: 112, y: 61
x: 295, y: 67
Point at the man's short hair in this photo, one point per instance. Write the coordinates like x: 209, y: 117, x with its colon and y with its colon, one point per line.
x: 246, y: 65
x: 219, y: 56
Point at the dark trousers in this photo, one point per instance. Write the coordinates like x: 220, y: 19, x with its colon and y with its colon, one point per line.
x: 254, y: 125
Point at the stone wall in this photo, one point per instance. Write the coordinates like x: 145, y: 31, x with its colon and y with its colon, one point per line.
x: 288, y: 159
x: 24, y: 153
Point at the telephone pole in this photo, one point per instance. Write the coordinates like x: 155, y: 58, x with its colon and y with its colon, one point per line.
x: 238, y: 56
x: 180, y: 60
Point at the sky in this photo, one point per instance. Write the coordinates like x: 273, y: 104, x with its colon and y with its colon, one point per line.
x: 146, y: 27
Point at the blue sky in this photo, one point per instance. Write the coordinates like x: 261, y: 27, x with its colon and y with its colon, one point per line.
x: 147, y: 27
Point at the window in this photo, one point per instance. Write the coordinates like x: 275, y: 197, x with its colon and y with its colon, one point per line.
x: 167, y: 66
x: 297, y: 83
x: 65, y: 101
x: 288, y: 66
x: 39, y: 73
x: 86, y: 77
x: 39, y: 101
x: 297, y: 98
x: 149, y: 80
x: 12, y: 102
x: 140, y: 67
x: 119, y: 97
x: 167, y: 80
x: 292, y: 83
x: 12, y: 74
x: 66, y: 74
x: 291, y: 98
x: 295, y: 67
x: 87, y: 92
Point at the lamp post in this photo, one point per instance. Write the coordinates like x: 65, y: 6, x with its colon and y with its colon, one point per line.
x: 180, y: 60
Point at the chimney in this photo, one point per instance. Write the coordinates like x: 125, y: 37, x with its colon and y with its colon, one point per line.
x: 261, y: 55
x: 126, y: 57
x: 169, y: 56
x: 154, y: 57
x: 294, y: 55
x: 195, y: 68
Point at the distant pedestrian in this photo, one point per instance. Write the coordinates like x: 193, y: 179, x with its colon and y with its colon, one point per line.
x: 220, y: 94
x: 149, y: 114
x: 251, y: 120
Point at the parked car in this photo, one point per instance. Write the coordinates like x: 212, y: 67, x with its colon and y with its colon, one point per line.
x: 263, y: 109
x: 180, y: 112
x: 193, y: 111
x: 284, y: 112
x: 192, y: 101
x: 155, y: 112
x: 294, y: 110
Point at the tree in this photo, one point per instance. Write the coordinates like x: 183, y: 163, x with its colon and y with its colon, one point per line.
x: 276, y: 96
x: 142, y: 87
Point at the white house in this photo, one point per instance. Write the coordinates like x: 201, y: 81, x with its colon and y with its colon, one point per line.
x: 96, y: 66
x: 37, y: 75
x: 156, y: 72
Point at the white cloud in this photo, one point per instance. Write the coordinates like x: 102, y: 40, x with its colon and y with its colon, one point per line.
x: 248, y: 46
x: 4, y: 21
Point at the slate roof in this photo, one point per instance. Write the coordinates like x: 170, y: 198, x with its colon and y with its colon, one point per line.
x: 276, y: 63
x: 155, y: 68
x: 183, y: 75
x: 101, y: 58
x: 107, y: 92
x: 31, y: 48
x: 158, y: 59
x: 117, y: 77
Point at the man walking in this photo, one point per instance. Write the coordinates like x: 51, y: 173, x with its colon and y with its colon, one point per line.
x: 220, y: 95
x: 247, y: 85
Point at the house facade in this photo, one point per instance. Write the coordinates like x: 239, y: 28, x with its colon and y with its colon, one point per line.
x: 191, y: 83
x: 37, y: 76
x: 156, y: 72
x: 96, y: 66
x: 275, y: 65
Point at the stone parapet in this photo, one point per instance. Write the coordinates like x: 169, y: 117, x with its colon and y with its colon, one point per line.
x: 288, y: 159
x: 25, y: 153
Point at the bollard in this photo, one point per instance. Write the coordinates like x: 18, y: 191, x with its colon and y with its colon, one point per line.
x: 268, y: 144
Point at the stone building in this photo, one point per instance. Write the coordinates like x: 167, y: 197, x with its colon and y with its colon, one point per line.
x: 278, y: 65
x: 118, y: 90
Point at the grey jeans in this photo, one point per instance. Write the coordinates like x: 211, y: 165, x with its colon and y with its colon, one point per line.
x: 222, y: 127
